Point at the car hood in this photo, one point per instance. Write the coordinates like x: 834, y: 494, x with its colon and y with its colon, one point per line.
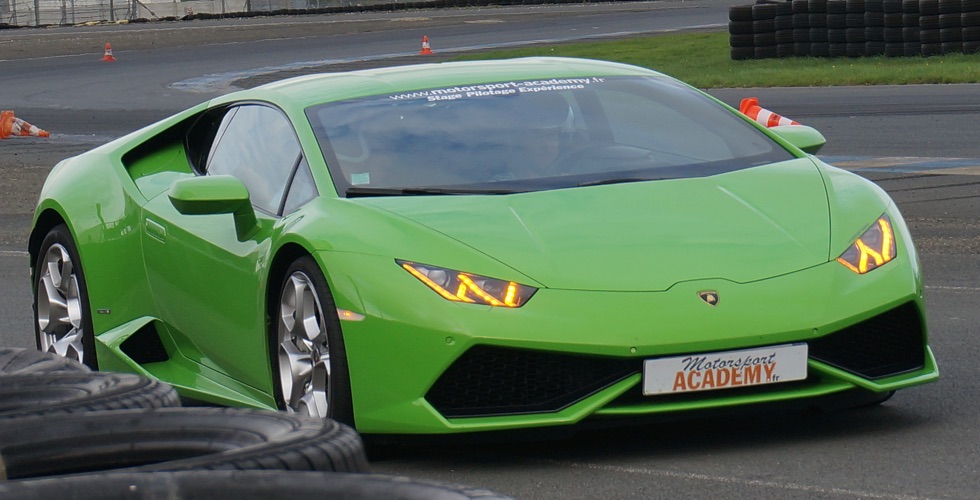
x: 741, y: 226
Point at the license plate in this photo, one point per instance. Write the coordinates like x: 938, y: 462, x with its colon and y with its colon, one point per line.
x: 724, y: 370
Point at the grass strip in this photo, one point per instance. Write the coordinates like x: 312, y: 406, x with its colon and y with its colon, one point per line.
x: 703, y: 60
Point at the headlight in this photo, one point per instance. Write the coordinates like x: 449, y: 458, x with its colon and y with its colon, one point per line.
x: 458, y: 286
x: 874, y: 248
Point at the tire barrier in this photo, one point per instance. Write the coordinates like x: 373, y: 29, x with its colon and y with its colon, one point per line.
x: 241, y: 485
x: 177, y: 439
x: 20, y: 361
x: 58, y: 393
x: 853, y: 28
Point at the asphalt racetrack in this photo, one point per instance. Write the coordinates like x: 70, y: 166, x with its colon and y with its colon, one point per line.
x: 918, y: 142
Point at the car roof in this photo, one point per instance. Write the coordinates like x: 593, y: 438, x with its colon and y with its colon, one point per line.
x: 309, y: 90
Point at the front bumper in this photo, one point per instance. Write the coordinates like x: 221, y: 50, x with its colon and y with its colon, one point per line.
x: 421, y: 364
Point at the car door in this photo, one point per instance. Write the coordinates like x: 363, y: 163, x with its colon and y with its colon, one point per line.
x: 207, y: 277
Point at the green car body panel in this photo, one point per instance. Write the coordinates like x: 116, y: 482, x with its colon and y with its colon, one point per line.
x: 618, y: 267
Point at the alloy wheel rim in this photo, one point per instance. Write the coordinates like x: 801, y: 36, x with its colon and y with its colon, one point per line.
x: 304, y: 352
x: 59, y: 305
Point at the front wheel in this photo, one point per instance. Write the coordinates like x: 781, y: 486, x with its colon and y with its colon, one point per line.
x: 309, y: 352
x: 62, y: 317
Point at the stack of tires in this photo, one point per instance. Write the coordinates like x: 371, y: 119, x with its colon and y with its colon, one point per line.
x: 68, y: 432
x: 854, y: 28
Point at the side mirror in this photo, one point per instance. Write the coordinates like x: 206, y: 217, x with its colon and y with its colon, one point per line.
x: 216, y: 194
x: 809, y: 139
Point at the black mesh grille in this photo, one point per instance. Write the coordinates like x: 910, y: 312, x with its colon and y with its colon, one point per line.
x: 489, y: 380
x: 888, y: 344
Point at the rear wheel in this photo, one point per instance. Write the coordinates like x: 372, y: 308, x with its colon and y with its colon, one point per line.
x: 309, y: 352
x: 62, y: 317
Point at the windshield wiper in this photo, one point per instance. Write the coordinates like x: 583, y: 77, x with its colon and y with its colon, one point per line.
x: 360, y: 192
x: 618, y: 180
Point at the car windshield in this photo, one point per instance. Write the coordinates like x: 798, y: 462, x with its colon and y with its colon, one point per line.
x: 520, y: 136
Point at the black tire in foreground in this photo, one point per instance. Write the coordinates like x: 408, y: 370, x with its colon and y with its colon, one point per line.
x: 177, y: 439
x: 53, y: 393
x: 17, y: 361
x: 240, y: 485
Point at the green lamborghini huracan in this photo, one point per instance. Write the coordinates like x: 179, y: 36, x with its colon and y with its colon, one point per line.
x: 478, y: 246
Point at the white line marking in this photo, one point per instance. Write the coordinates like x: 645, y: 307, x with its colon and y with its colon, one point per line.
x: 957, y: 288
x: 739, y: 481
x: 13, y: 253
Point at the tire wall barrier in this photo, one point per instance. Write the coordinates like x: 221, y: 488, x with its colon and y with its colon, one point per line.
x: 854, y: 28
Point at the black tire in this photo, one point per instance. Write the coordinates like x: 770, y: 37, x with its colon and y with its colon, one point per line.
x: 784, y: 50
x: 911, y: 34
x: 241, y: 485
x: 34, y: 394
x: 740, y: 28
x: 837, y: 36
x: 740, y: 13
x: 742, y: 53
x: 178, y: 439
x: 854, y: 49
x: 950, y: 6
x: 929, y: 36
x: 802, y: 35
x: 761, y: 11
x: 891, y: 6
x: 766, y: 52
x: 949, y: 20
x: 803, y: 6
x: 50, y: 338
x: 912, y: 49
x: 836, y: 21
x: 818, y: 35
x: 764, y: 39
x: 947, y: 35
x: 894, y: 49
x: 928, y: 7
x: 874, y: 34
x: 929, y: 22
x: 872, y: 49
x: 952, y: 47
x: 971, y: 34
x: 836, y: 6
x: 854, y: 35
x: 764, y: 26
x: 931, y: 49
x: 783, y: 22
x: 838, y: 49
x: 17, y: 361
x: 972, y: 47
x: 740, y: 40
x: 874, y: 19
x: 305, y: 273
x: 970, y: 19
x: 817, y: 20
x: 854, y: 21
x: 820, y: 49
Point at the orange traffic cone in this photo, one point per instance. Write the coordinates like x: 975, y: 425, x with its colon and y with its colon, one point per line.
x: 11, y: 125
x: 425, y: 46
x: 108, y: 54
x: 750, y: 107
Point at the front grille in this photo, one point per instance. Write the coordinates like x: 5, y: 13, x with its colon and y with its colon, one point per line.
x: 491, y: 380
x: 888, y: 344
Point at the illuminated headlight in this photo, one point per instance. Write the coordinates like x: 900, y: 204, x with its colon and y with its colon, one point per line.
x: 465, y: 287
x: 873, y: 249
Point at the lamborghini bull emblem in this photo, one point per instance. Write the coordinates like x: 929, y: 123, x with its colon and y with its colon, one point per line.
x: 709, y: 297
